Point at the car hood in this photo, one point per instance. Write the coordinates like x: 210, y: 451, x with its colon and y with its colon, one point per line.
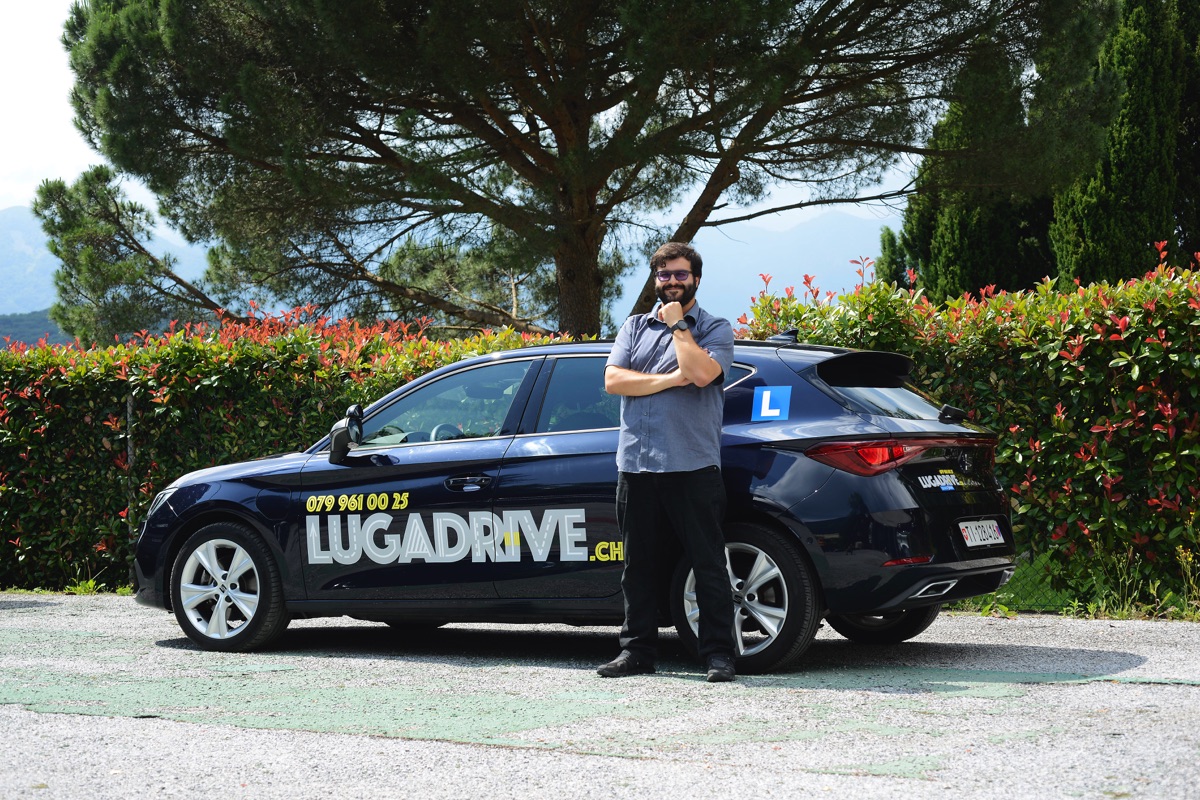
x: 283, y: 468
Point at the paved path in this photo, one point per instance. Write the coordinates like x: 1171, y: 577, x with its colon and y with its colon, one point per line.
x: 100, y: 697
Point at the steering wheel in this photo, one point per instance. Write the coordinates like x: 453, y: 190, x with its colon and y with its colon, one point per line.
x: 391, y: 430
x: 443, y: 431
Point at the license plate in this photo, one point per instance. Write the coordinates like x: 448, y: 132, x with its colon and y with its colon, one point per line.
x: 981, y: 533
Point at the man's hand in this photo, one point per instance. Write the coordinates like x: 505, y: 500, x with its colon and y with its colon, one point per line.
x: 697, y: 365
x: 670, y: 313
x: 630, y: 383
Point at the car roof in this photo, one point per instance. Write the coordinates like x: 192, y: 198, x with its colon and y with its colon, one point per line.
x: 744, y: 349
x: 797, y: 355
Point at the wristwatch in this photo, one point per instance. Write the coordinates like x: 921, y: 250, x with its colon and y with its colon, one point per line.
x: 682, y: 325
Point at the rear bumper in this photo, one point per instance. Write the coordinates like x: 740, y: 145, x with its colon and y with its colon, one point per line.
x: 960, y: 586
x: 931, y: 584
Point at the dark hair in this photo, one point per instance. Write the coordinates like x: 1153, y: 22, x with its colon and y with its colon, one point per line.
x: 673, y: 250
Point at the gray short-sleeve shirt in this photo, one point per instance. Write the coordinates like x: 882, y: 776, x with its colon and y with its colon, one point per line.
x: 678, y: 429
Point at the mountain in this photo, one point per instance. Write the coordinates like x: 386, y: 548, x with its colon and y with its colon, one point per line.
x: 735, y: 256
x: 30, y: 328
x: 26, y: 266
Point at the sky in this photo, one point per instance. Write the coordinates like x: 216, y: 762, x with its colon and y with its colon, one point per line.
x: 38, y: 140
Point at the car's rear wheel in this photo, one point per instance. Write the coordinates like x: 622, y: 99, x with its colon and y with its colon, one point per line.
x: 892, y: 628
x: 775, y: 599
x: 226, y: 589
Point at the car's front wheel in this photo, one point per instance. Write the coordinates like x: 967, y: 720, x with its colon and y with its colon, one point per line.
x: 775, y: 599
x: 226, y: 590
x: 891, y: 628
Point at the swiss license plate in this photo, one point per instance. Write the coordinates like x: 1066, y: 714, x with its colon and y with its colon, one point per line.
x: 981, y: 533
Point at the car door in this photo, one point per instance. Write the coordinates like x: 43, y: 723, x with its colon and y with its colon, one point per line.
x: 408, y: 514
x: 558, y: 487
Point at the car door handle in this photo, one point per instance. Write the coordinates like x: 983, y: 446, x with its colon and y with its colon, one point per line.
x: 467, y: 483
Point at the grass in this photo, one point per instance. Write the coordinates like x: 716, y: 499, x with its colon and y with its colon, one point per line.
x: 1028, y: 590
x: 81, y: 588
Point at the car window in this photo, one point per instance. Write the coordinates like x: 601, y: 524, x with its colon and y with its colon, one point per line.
x: 464, y: 405
x: 900, y: 402
x: 872, y: 382
x: 576, y: 400
x: 737, y: 373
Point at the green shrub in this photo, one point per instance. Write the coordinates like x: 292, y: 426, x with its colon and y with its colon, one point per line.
x: 1094, y: 394
x: 88, y: 437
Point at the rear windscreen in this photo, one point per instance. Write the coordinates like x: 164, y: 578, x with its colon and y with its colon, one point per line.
x: 870, y: 382
x: 902, y: 402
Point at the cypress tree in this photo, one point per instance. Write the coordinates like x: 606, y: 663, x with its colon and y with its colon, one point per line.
x: 962, y: 235
x: 892, y: 264
x: 1106, y: 221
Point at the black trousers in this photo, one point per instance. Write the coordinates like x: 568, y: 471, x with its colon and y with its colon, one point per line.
x: 690, y: 506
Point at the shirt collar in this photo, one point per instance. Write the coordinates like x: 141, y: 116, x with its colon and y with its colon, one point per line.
x: 693, y: 316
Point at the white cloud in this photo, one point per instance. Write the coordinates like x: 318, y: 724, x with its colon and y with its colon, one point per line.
x: 38, y: 139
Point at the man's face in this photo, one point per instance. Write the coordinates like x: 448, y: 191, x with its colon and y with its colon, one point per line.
x: 673, y: 290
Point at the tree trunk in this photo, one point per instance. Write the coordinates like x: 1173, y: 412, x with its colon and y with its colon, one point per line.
x: 580, y: 286
x: 722, y: 177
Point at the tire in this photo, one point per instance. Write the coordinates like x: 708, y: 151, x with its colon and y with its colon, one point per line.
x: 892, y: 628
x: 775, y: 599
x: 226, y: 589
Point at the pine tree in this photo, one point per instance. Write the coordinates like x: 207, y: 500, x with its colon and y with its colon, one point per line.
x: 332, y: 133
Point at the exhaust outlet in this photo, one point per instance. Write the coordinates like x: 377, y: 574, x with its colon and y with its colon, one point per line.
x: 936, y: 589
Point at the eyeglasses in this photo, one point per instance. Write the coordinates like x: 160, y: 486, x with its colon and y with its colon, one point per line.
x: 665, y: 275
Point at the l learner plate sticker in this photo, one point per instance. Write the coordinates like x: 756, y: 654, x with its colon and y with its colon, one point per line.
x: 981, y: 532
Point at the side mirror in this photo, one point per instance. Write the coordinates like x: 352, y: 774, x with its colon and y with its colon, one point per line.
x: 346, y: 434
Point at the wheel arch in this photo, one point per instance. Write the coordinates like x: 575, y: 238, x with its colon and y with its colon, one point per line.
x: 786, y: 639
x: 776, y: 524
x: 209, y: 516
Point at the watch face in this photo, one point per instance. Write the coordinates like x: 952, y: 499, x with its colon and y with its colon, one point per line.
x: 680, y: 326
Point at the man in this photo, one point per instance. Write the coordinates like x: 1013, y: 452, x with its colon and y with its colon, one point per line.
x: 668, y: 367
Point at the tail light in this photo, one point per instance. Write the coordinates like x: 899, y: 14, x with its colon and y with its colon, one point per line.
x: 908, y: 561
x: 875, y: 457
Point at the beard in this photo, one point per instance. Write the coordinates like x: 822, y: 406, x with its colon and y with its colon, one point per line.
x: 689, y: 291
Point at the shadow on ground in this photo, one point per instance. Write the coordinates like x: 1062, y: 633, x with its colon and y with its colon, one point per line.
x: 13, y: 605
x: 556, y: 647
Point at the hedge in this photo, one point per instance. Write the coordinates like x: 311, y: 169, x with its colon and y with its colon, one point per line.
x: 1094, y: 394
x: 87, y: 437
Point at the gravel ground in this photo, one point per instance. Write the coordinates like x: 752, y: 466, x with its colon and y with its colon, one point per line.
x: 100, y: 698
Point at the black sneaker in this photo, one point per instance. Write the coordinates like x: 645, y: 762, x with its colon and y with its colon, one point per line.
x: 720, y: 669
x: 625, y: 665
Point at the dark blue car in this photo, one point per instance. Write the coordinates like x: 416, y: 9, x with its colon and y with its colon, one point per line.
x: 484, y: 491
